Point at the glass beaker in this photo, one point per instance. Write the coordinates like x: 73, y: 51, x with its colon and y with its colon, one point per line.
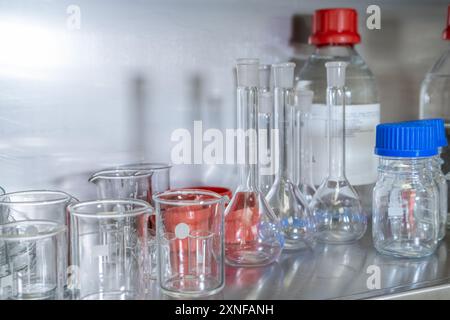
x: 109, y: 249
x: 160, y: 179
x: 252, y: 231
x: 35, y: 260
x: 135, y: 181
x: 190, y: 241
x: 336, y: 206
x: 35, y: 205
x: 284, y: 197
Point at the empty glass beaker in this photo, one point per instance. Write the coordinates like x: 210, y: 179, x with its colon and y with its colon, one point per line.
x: 253, y: 234
x: 336, y: 206
x: 109, y: 249
x: 190, y: 241
x: 285, y: 199
x: 160, y: 178
x: 405, y: 218
x: 35, y: 205
x: 35, y: 256
x: 135, y: 181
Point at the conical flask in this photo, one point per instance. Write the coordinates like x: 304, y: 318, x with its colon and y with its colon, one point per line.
x: 336, y: 206
x: 252, y: 231
x: 284, y: 197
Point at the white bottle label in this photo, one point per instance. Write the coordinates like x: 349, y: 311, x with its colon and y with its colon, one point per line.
x: 360, y: 124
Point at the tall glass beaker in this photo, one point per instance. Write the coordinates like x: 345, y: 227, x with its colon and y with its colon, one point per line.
x: 284, y: 197
x: 252, y: 231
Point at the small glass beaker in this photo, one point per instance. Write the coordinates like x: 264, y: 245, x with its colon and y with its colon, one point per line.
x: 109, y: 249
x: 190, y: 242
x: 34, y: 261
x: 35, y: 205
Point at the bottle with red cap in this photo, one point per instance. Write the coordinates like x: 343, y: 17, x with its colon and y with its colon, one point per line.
x: 435, y: 98
x: 334, y: 35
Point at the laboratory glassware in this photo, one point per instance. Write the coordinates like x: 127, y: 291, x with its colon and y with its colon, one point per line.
x: 336, y: 206
x: 219, y: 190
x: 334, y: 35
x: 190, y: 242
x: 405, y: 218
x: 434, y: 98
x: 109, y: 248
x: 303, y: 143
x: 285, y: 199
x: 253, y: 234
x: 436, y: 169
x: 135, y: 181
x: 265, y: 130
x: 35, y: 205
x: 35, y: 260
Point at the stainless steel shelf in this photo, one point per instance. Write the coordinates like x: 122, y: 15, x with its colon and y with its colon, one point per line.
x: 340, y: 272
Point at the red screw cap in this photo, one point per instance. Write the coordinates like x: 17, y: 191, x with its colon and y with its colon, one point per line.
x: 446, y: 33
x: 337, y: 26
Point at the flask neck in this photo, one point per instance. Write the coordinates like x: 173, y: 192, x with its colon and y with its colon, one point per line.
x: 336, y: 133
x: 284, y: 124
x: 247, y: 137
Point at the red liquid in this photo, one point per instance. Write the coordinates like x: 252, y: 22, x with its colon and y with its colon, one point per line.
x: 241, y: 223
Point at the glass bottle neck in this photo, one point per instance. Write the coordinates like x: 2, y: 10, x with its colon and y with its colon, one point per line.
x: 247, y: 137
x: 404, y: 165
x: 335, y: 50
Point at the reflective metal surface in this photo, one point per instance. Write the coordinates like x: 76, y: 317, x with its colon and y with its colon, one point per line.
x: 340, y: 272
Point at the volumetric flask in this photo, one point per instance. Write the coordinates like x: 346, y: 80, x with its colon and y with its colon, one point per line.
x: 252, y: 230
x: 109, y: 248
x: 35, y: 255
x: 336, y: 205
x: 190, y: 242
x: 284, y: 197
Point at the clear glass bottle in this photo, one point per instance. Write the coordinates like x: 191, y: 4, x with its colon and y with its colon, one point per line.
x: 336, y: 206
x: 405, y: 220
x: 435, y: 167
x: 253, y: 234
x: 362, y: 109
x: 265, y: 130
x: 435, y: 100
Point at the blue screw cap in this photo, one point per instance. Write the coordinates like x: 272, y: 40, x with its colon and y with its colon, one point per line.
x: 406, y: 140
x: 438, y: 124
